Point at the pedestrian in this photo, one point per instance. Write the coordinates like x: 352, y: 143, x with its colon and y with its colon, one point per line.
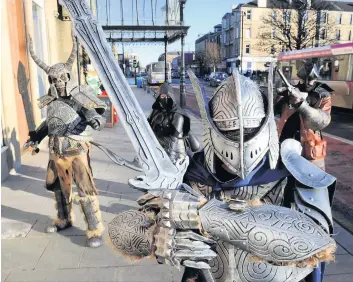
x: 72, y: 114
x: 305, y: 112
x: 171, y: 125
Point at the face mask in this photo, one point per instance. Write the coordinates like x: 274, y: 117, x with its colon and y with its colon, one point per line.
x: 166, y: 103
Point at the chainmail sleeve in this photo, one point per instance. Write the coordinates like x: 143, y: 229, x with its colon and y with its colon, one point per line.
x: 316, y: 119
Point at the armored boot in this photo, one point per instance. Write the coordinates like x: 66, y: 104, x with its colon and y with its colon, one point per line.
x: 64, y: 217
x: 92, y: 215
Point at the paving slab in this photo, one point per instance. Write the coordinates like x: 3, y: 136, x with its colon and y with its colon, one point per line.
x: 13, y: 228
x: 157, y: 273
x: 22, y: 254
x: 64, y: 275
x: 62, y: 252
x: 344, y: 238
x: 105, y: 256
x: 342, y: 265
x: 4, y: 274
x: 338, y: 278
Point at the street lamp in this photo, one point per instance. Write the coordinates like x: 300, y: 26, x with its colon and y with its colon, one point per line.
x: 242, y: 40
x: 182, y: 68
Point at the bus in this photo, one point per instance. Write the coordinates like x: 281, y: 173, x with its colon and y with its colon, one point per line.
x: 155, y: 73
x: 336, y: 69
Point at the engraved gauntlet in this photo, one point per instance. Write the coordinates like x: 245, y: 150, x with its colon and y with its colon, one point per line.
x: 271, y: 233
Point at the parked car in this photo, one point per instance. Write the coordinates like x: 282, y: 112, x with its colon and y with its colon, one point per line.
x: 217, y: 77
x: 206, y: 77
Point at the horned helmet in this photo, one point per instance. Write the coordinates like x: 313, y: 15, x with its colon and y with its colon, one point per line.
x: 59, y: 75
x: 239, y: 125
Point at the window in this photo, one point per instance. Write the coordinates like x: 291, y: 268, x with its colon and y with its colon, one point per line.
x: 323, y: 17
x: 248, y: 66
x: 247, y: 49
x: 339, y: 19
x: 350, y: 35
x: 323, y: 34
x: 273, y: 33
x: 248, y: 14
x: 286, y: 17
x: 248, y: 33
x: 237, y: 32
x: 351, y: 20
x: 338, y: 34
x: 274, y: 15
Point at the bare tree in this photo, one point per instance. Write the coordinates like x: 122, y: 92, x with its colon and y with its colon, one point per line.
x: 202, y: 61
x: 213, y: 54
x: 295, y: 25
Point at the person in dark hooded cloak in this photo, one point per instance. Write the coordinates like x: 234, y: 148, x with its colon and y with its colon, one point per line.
x: 171, y: 125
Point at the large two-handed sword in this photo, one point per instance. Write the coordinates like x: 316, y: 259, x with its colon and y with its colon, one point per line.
x: 160, y: 172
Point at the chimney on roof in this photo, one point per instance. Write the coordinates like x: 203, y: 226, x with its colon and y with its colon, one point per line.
x: 262, y: 3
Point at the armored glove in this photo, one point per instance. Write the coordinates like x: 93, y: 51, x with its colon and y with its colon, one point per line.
x: 173, y: 245
x: 271, y: 233
x: 296, y: 97
x: 94, y: 124
x: 185, y: 225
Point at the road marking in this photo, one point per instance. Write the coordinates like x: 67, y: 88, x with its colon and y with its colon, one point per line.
x: 338, y: 138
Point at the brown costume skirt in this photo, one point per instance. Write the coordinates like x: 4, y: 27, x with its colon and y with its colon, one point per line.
x: 72, y: 168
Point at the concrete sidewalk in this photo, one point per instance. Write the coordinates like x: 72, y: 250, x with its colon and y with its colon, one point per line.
x: 29, y: 254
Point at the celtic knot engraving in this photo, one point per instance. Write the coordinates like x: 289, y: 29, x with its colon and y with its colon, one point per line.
x: 234, y: 264
x: 127, y: 233
x: 270, y: 232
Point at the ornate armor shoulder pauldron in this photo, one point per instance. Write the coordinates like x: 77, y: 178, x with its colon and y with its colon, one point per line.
x: 84, y: 96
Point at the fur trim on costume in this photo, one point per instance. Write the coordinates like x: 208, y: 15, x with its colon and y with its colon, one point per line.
x: 71, y: 218
x: 133, y: 259
x: 61, y: 223
x: 95, y: 233
x: 325, y: 255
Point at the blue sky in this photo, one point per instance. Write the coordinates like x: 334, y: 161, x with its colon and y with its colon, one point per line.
x: 201, y: 15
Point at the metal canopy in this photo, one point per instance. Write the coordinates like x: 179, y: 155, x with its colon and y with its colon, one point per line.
x: 145, y: 33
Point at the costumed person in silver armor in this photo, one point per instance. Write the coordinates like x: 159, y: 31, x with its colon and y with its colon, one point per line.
x: 171, y: 125
x: 253, y: 212
x: 306, y: 110
x: 72, y: 114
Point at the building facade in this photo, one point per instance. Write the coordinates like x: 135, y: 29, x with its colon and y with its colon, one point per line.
x: 170, y: 56
x: 189, y: 60
x: 201, y: 45
x: 241, y: 30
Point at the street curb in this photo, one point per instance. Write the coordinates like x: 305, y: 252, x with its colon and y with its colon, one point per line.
x: 344, y: 140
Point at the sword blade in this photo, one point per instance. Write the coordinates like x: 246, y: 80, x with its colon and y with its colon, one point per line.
x: 115, y: 158
x: 159, y: 170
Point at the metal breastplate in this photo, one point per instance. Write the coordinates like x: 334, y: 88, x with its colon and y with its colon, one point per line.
x: 62, y: 118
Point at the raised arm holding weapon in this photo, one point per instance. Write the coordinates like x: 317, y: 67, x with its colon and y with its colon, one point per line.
x: 305, y: 111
